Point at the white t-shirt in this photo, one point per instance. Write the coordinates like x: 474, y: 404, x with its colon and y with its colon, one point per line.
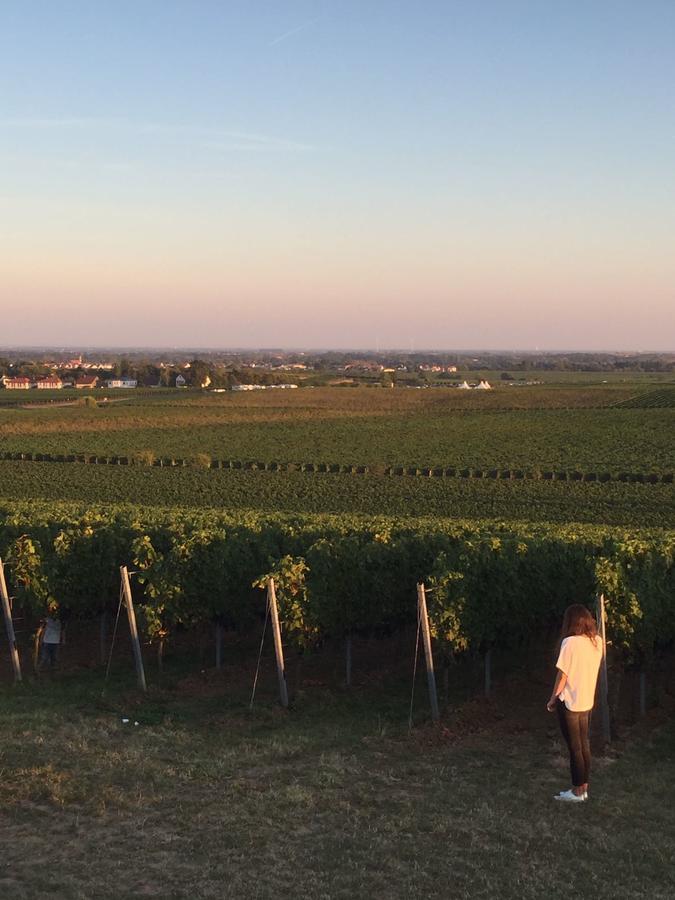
x: 52, y: 632
x: 580, y: 660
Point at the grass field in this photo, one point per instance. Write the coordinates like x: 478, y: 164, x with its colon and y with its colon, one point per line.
x: 335, y: 799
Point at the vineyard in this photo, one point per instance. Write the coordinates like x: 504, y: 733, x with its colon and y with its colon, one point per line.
x: 660, y: 399
x: 349, y: 497
x: 513, y: 498
x: 342, y: 575
x: 420, y: 429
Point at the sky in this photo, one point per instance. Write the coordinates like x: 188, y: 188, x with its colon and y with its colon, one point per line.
x: 493, y: 174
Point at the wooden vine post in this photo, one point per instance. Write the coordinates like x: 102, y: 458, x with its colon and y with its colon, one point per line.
x: 278, y: 646
x: 604, y: 701
x: 9, y: 625
x: 131, y: 615
x: 428, y: 656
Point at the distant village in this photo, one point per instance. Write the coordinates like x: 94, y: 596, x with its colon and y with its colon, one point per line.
x: 22, y: 369
x: 251, y: 374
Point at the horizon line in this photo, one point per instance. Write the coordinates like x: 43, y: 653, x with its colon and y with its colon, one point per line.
x: 317, y: 349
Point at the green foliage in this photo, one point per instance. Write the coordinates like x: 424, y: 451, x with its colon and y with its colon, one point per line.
x: 288, y: 575
x: 637, y: 578
x: 31, y: 585
x: 306, y: 492
x: 499, y: 589
x: 421, y: 428
x: 218, y: 570
x: 84, y: 567
x: 664, y: 398
x: 159, y: 572
x: 490, y: 584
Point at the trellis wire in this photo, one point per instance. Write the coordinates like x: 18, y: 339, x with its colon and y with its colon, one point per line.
x: 417, y: 648
x: 112, y: 643
x: 257, y: 668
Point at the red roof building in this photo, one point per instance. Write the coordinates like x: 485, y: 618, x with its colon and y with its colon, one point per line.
x: 17, y: 384
x: 49, y: 383
x: 86, y: 381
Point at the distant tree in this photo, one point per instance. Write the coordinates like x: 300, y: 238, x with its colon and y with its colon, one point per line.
x: 506, y: 377
x: 199, y: 371
x: 123, y: 367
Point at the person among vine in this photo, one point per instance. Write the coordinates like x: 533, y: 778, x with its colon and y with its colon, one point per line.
x: 573, y: 694
x: 51, y: 635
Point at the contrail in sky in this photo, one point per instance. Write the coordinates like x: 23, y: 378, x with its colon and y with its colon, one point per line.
x: 296, y: 30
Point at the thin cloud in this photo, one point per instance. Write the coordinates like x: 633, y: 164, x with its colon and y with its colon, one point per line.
x: 237, y: 140
x: 48, y: 122
x: 207, y: 138
x: 293, y: 31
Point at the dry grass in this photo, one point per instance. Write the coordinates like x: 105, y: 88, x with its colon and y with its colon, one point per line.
x: 204, y: 799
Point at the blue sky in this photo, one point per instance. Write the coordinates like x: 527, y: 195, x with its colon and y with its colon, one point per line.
x: 318, y: 173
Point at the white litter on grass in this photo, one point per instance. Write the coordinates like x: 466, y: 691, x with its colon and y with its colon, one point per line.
x: 135, y: 723
x: 125, y: 721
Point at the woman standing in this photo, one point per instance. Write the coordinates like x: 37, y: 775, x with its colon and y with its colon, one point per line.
x: 574, y: 694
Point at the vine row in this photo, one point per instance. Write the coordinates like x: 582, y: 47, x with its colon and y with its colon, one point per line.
x: 202, y: 461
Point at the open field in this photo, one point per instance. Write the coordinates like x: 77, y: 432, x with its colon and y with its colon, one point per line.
x: 334, y: 799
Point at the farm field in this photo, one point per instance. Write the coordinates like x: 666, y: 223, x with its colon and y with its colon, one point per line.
x: 361, y: 427
x: 203, y: 798
x: 573, y: 428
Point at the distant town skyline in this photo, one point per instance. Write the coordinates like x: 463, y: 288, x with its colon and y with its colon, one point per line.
x: 314, y: 174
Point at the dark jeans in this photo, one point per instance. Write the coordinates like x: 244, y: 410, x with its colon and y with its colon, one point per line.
x: 575, y: 727
x: 49, y: 654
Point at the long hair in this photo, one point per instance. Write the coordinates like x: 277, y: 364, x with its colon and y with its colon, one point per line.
x: 578, y: 621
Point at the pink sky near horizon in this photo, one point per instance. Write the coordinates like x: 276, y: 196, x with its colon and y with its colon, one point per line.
x: 206, y: 284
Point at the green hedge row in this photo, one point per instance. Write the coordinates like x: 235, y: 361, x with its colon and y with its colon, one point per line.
x: 148, y: 458
x: 489, y: 585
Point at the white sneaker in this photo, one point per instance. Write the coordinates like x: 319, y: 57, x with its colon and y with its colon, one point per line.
x: 571, y: 797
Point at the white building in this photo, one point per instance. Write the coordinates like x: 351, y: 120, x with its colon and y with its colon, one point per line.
x: 262, y: 387
x: 122, y: 383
